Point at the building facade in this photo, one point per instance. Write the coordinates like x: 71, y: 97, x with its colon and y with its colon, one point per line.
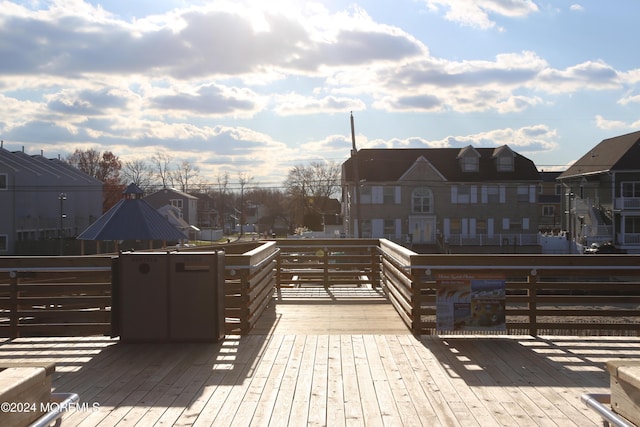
x: 43, y: 200
x: 444, y: 199
x: 602, y: 194
x: 550, y: 212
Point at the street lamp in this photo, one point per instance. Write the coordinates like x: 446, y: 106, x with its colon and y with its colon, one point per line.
x: 62, y: 197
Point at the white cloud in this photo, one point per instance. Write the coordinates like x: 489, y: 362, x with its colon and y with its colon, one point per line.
x: 576, y: 8
x: 616, y: 125
x: 477, y: 13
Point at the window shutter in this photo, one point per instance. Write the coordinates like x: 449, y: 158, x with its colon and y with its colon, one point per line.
x: 377, y: 195
x: 484, y: 196
x: 474, y: 194
x: 377, y: 228
x: 505, y: 223
x: 525, y: 223
x: 503, y: 194
x: 454, y: 194
x: 398, y: 196
x: 532, y: 194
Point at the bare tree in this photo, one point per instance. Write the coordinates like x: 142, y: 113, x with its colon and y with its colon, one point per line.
x: 185, y: 175
x: 310, y: 188
x: 223, y: 184
x: 162, y: 165
x: 243, y: 180
x: 139, y: 173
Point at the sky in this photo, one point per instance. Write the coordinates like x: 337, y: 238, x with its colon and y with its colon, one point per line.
x: 258, y: 87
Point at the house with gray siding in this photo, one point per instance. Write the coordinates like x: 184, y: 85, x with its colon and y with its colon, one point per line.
x: 43, y: 199
x: 186, y: 204
x: 602, y: 194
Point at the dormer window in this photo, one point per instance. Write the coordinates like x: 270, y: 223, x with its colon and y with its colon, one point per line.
x: 503, y: 157
x: 469, y: 159
x: 469, y: 164
x: 504, y: 163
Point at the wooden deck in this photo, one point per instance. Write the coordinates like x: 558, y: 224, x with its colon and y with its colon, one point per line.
x: 330, y: 358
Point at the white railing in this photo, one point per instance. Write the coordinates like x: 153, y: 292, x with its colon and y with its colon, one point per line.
x: 629, y: 238
x: 512, y: 239
x: 630, y: 203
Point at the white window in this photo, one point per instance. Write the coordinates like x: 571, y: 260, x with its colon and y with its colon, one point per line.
x: 390, y: 195
x: 4, y: 181
x: 548, y: 210
x: 422, y: 200
x: 390, y: 228
x: 469, y: 163
x: 464, y: 194
x: 365, y: 194
x: 176, y: 202
x: 504, y: 163
x: 631, y: 189
x: 523, y: 193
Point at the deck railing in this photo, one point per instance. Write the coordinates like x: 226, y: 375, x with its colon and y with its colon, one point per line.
x: 55, y: 296
x: 328, y: 262
x: 545, y: 294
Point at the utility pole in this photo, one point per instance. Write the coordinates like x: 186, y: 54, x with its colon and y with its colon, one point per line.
x: 356, y: 179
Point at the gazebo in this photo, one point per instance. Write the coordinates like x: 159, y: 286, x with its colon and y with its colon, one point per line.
x: 132, y: 218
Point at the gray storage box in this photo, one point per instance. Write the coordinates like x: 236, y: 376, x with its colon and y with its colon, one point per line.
x: 170, y: 296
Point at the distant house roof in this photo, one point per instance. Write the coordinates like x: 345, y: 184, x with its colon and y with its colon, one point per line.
x: 384, y: 164
x: 549, y: 176
x: 620, y: 153
x: 132, y: 219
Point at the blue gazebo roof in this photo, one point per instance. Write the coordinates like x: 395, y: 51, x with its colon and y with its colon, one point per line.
x: 132, y: 218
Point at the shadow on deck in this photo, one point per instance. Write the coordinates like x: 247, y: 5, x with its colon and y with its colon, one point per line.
x: 310, y: 362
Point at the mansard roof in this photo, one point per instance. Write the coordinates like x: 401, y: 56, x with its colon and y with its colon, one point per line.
x: 388, y: 165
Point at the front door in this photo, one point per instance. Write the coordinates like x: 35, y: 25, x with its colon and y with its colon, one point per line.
x: 422, y: 229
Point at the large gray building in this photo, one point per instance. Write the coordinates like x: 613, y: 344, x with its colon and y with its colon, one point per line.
x: 43, y: 199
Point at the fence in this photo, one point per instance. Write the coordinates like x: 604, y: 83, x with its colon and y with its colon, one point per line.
x: 545, y: 294
x: 58, y: 296
x: 328, y: 262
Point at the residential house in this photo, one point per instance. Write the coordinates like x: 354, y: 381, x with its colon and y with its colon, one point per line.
x: 550, y: 203
x: 207, y: 213
x: 186, y: 203
x: 602, y: 194
x: 43, y: 201
x: 446, y: 199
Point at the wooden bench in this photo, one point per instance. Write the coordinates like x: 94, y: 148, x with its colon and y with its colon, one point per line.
x: 625, y: 388
x: 25, y: 389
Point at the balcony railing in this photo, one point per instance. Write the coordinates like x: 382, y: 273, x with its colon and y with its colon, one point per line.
x: 629, y: 239
x: 627, y: 203
x: 504, y: 239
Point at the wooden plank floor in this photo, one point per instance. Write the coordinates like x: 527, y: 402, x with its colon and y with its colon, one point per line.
x: 298, y: 372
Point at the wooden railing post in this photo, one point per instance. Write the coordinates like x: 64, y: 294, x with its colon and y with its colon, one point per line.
x: 13, y: 304
x: 325, y: 267
x: 533, y: 303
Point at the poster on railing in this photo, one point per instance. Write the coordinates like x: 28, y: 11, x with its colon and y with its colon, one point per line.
x: 470, y: 302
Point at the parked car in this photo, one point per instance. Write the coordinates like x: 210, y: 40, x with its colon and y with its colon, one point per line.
x: 604, y: 248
